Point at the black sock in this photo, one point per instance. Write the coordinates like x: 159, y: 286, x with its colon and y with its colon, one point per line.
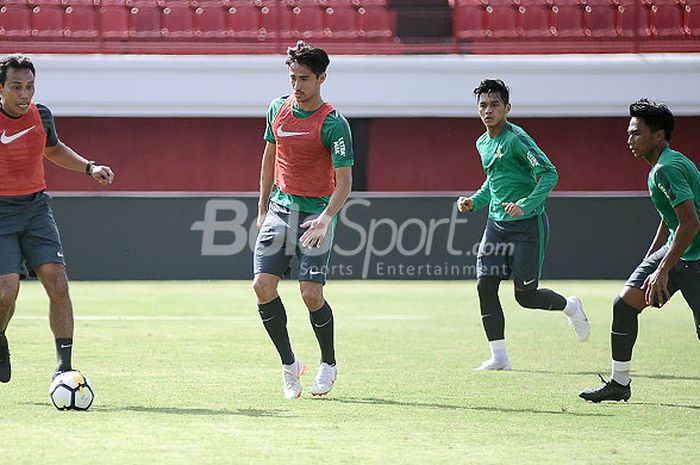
x: 274, y: 318
x: 322, y: 323
x: 64, y: 352
x: 543, y: 299
x: 491, y: 311
x: 623, y: 333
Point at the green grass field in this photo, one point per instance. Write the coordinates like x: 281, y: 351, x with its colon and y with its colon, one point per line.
x: 184, y: 373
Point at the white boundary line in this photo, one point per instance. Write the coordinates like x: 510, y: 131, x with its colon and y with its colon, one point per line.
x: 216, y: 318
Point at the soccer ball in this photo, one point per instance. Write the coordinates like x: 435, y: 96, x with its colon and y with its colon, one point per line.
x: 71, y: 390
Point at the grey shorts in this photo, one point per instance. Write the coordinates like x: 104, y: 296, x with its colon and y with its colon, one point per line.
x: 684, y: 277
x: 514, y: 248
x: 28, y: 234
x: 278, y: 243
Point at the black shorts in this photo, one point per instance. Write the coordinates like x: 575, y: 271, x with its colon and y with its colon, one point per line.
x: 28, y: 234
x: 278, y: 242
x: 684, y: 277
x: 514, y: 248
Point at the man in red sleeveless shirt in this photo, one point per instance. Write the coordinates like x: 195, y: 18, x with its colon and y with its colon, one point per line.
x: 305, y: 177
x: 29, y: 239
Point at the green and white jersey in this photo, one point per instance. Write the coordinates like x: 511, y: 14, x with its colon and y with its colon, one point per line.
x: 335, y: 135
x: 516, y: 171
x: 673, y: 180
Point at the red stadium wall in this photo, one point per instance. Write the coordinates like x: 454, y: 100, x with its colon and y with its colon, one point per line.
x: 403, y: 154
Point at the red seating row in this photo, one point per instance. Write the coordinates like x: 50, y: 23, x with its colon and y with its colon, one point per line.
x: 605, y: 19
x: 158, y: 19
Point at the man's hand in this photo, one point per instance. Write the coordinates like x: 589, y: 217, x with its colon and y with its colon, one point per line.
x: 314, y: 236
x: 656, y: 288
x: 513, y: 210
x: 102, y: 174
x: 465, y: 204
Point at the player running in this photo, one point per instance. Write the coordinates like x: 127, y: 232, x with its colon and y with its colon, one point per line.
x: 305, y: 178
x: 672, y: 262
x: 519, y: 177
x: 29, y: 238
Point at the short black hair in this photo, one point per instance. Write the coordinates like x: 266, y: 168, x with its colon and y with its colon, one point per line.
x: 16, y: 61
x: 488, y: 86
x: 656, y: 115
x: 316, y: 59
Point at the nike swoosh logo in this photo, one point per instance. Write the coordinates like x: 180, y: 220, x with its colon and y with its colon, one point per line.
x: 525, y: 283
x: 5, y: 139
x: 65, y: 346
x: 324, y: 324
x: 265, y: 320
x: 282, y: 133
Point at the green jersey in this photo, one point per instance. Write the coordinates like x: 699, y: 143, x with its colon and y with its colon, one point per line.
x: 673, y: 180
x: 516, y: 171
x: 335, y: 135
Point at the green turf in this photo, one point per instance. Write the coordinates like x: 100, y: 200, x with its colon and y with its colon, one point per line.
x: 207, y: 390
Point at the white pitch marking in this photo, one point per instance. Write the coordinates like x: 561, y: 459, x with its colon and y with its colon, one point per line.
x: 214, y: 318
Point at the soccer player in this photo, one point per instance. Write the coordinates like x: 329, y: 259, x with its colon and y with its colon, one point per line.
x: 305, y: 178
x: 519, y: 177
x: 29, y: 239
x: 672, y: 262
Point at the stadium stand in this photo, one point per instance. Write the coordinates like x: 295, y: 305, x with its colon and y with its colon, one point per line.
x: 351, y: 26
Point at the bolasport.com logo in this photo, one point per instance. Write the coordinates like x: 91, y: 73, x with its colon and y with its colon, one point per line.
x: 369, y: 241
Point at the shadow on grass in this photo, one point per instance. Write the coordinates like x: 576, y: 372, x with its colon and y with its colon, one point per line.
x: 245, y: 412
x: 377, y: 401
x: 635, y: 375
x: 690, y: 407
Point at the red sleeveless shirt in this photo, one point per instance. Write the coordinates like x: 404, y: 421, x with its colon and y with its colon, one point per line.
x: 22, y: 142
x: 303, y: 166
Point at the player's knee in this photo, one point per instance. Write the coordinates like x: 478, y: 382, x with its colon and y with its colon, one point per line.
x: 9, y: 288
x: 623, y: 313
x: 487, y: 286
x: 527, y: 299
x: 264, y: 288
x: 312, y: 296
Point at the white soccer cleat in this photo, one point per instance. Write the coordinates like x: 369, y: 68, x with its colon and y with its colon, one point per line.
x: 290, y: 378
x: 579, y: 320
x: 496, y: 365
x: 324, y: 380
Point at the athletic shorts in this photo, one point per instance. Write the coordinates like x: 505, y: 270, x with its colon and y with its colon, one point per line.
x: 278, y: 243
x: 684, y: 277
x: 514, y: 248
x: 28, y: 234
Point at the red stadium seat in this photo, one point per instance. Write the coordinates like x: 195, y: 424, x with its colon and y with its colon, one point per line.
x: 145, y: 20
x: 243, y: 20
x: 178, y: 20
x: 81, y: 21
x: 15, y: 19
x: 600, y: 19
x: 276, y: 20
x: 567, y: 18
x: 692, y: 18
x: 376, y: 22
x: 469, y: 19
x: 114, y: 19
x: 502, y: 19
x: 341, y: 22
x: 537, y: 18
x: 47, y: 21
x: 307, y: 21
x: 663, y: 18
x: 210, y: 20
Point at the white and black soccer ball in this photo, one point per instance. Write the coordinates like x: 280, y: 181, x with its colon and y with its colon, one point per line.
x: 71, y: 390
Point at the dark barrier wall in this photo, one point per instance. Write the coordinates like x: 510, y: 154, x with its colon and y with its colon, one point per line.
x: 396, y: 154
x: 377, y: 237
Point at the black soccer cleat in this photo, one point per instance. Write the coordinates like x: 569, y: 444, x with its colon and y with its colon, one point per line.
x: 5, y: 368
x: 611, y: 390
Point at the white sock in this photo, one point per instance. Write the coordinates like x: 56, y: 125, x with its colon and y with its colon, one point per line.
x: 621, y: 372
x: 571, y: 308
x: 498, y: 350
